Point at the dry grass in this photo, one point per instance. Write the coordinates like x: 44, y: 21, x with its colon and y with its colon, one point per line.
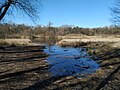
x: 75, y: 36
x: 115, y: 40
x: 15, y: 41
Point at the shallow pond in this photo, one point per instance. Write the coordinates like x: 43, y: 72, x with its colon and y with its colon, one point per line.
x: 69, y: 61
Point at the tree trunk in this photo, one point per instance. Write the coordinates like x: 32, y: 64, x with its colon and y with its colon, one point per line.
x: 5, y: 8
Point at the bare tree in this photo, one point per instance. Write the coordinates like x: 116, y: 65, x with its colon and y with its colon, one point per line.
x: 30, y: 7
x: 116, y: 13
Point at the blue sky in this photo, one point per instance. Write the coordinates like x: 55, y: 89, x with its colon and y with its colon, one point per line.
x: 82, y: 13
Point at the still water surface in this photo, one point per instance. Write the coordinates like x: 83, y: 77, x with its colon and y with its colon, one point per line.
x: 69, y: 61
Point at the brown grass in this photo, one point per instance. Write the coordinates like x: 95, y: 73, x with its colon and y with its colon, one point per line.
x: 115, y: 41
x: 15, y: 41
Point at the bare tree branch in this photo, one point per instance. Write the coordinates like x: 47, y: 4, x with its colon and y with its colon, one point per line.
x: 30, y: 7
x: 116, y: 13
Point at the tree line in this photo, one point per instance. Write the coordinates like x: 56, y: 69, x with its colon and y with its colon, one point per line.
x: 8, y: 30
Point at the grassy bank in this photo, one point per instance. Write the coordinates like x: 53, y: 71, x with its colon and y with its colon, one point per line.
x: 15, y: 41
x: 86, y: 40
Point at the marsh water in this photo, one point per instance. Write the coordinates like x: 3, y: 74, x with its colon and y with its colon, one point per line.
x: 69, y: 61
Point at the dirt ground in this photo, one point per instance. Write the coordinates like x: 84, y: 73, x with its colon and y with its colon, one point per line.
x: 24, y: 68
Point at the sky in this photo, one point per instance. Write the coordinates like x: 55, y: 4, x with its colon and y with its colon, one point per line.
x: 82, y: 13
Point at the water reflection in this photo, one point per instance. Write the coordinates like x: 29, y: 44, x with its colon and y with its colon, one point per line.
x: 69, y: 61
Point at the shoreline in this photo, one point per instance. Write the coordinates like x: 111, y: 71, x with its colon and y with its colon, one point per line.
x: 28, y: 70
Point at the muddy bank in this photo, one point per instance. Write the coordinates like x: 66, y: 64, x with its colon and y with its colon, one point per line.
x: 24, y: 68
x: 21, y: 66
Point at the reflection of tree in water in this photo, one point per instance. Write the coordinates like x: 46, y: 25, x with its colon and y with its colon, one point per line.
x: 46, y: 36
x: 51, y: 39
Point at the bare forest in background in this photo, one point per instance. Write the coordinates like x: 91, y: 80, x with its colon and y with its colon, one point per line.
x: 24, y: 31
